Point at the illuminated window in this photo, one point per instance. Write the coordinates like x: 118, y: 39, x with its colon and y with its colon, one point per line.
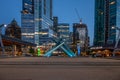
x: 112, y: 2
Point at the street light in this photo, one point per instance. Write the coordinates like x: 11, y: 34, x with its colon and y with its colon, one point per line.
x: 2, y: 46
x: 117, y: 40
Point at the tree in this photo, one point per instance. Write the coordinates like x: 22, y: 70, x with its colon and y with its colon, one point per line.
x: 31, y: 50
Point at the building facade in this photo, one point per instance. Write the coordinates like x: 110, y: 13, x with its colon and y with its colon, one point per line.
x: 13, y: 45
x: 13, y: 30
x: 63, y: 32
x: 80, y: 37
x: 37, y: 21
x: 55, y: 25
x: 106, y: 16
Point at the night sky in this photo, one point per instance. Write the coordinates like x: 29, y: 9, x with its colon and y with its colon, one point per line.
x: 64, y: 9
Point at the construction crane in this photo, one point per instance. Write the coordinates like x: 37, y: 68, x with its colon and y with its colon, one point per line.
x: 78, y: 16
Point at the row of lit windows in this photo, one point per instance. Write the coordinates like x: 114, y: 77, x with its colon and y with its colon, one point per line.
x: 63, y: 30
x: 65, y: 36
x: 63, y: 26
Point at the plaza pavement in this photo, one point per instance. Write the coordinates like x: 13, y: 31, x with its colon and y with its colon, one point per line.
x: 84, y: 61
x: 59, y: 68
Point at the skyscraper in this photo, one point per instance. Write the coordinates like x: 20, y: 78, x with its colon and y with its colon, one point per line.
x: 13, y: 30
x: 63, y: 32
x: 55, y: 24
x: 37, y: 21
x: 80, y: 36
x: 107, y: 15
x: 27, y: 23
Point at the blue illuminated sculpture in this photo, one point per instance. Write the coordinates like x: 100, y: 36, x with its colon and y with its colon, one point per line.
x: 60, y: 44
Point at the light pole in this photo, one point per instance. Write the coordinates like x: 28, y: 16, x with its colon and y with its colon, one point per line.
x: 78, y: 48
x: 117, y: 40
x: 2, y: 46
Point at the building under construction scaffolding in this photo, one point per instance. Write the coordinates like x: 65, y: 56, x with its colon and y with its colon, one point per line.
x: 80, y: 38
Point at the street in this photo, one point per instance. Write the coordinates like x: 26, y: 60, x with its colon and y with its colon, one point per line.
x: 51, y: 71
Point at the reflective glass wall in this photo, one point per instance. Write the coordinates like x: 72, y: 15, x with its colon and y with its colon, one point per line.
x: 27, y: 23
x: 107, y: 16
x: 37, y: 18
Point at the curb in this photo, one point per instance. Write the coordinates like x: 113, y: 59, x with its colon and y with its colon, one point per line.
x: 63, y: 63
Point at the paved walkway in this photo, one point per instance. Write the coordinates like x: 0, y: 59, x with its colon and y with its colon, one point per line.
x: 59, y: 68
x: 59, y: 61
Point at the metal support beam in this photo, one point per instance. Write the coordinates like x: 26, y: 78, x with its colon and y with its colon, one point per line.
x: 2, y: 46
x: 116, y: 44
x: 49, y: 53
x: 1, y: 43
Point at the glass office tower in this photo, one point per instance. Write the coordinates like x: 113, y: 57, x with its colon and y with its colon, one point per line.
x: 37, y: 21
x: 107, y: 15
x: 27, y: 23
x: 63, y: 32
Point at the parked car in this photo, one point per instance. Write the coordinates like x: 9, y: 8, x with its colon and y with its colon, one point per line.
x: 98, y: 55
x: 27, y: 54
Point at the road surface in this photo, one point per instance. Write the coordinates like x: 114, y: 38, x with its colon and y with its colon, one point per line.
x: 93, y: 69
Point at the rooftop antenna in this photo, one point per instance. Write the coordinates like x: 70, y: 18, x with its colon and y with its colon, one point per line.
x: 78, y: 16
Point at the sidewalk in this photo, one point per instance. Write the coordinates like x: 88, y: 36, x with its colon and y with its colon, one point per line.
x: 4, y: 57
x: 81, y: 61
x: 116, y: 58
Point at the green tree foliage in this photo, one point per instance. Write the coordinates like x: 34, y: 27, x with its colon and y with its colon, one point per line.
x: 31, y: 50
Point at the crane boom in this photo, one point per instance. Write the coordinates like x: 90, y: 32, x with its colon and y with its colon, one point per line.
x: 77, y: 14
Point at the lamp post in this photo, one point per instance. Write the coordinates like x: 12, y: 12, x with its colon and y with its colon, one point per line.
x: 78, y: 48
x: 2, y: 46
x: 117, y: 40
